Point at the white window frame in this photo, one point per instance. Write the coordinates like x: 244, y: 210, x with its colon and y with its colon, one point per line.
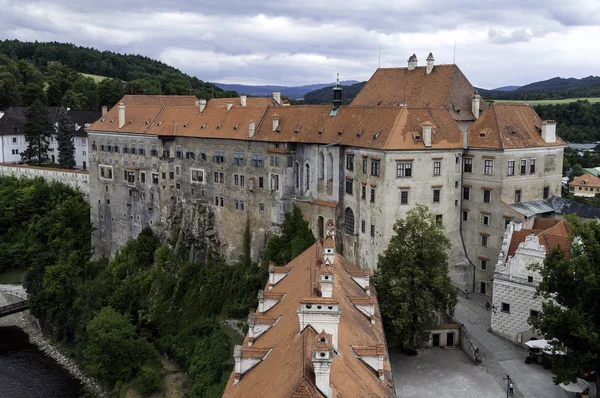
x: 201, y: 172
x: 102, y: 166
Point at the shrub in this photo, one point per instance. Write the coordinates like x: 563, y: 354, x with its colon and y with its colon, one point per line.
x: 147, y: 381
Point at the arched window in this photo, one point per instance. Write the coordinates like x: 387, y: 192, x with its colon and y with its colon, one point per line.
x: 321, y: 166
x: 329, y: 166
x: 349, y: 221
x: 307, y: 177
x: 297, y: 173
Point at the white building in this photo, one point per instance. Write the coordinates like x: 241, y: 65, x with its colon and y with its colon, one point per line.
x: 13, y: 142
x: 585, y: 185
x: 515, y: 283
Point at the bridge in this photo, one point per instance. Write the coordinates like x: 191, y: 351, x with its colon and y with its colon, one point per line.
x: 20, y: 302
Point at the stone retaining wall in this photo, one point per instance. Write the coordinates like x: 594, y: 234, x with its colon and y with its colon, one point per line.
x: 75, y: 178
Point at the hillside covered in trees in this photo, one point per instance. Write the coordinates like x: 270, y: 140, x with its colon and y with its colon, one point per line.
x: 52, y: 73
x: 325, y: 95
x: 555, y: 88
x: 577, y: 121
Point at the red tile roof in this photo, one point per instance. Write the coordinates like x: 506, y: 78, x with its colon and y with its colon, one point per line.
x: 586, y: 180
x: 551, y: 237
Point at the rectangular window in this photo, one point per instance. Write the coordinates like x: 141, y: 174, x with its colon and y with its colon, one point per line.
x: 506, y: 222
x: 483, y: 264
x: 261, y: 208
x: 242, y: 181
x: 484, y: 240
x: 466, y: 193
x: 94, y: 147
x: 404, y: 197
x: 439, y: 218
x: 154, y: 178
x: 171, y: 176
x: 143, y: 177
x: 349, y: 187
x: 125, y: 148
x: 465, y: 215
x: 511, y: 167
x: 365, y: 163
x: 437, y: 166
x: 468, y: 166
x: 236, y: 179
x: 239, y: 158
x: 106, y: 172
x: 488, y: 168
x: 178, y: 170
x: 532, y: 166
x: 197, y: 175
x: 485, y: 219
x: 534, y: 314
x: 290, y: 161
x: 403, y: 169
x: 530, y: 279
x: 219, y: 157
x: 141, y: 150
x: 372, y: 194
x: 132, y: 150
x: 216, y: 200
x: 274, y: 182
x: 523, y: 166
x: 363, y: 192
x: 517, y: 196
x: 546, y: 192
x: 363, y: 226
x: 153, y: 151
x: 201, y: 155
x: 257, y: 160
x: 436, y: 195
x: 261, y: 182
x: 190, y: 154
x: 130, y: 177
x: 487, y: 194
x: 505, y: 307
x: 350, y: 162
x: 375, y: 167
x: 372, y: 231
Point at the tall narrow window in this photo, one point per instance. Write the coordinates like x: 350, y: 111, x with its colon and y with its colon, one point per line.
x: 546, y: 192
x: 488, y: 168
x: 372, y: 194
x: 365, y: 162
x: 404, y: 197
x: 436, y: 195
x: 523, y: 166
x: 531, y: 166
x: 307, y: 178
x: 349, y: 221
x: 437, y: 166
x: 487, y: 196
x: 466, y: 193
x: 511, y: 167
x: 375, y: 167
x: 468, y: 167
x: 517, y: 195
x: 350, y: 162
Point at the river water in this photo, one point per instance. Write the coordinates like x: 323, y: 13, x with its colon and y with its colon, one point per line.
x: 25, y: 372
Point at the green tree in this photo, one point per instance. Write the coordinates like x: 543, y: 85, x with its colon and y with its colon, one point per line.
x: 38, y: 129
x: 571, y: 312
x: 295, y: 237
x: 60, y: 79
x: 9, y: 90
x: 412, y: 279
x: 112, y: 350
x: 65, y: 134
x: 33, y: 92
x: 87, y: 90
x: 110, y: 91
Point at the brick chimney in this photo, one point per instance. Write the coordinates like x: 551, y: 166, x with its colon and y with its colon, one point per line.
x: 275, y: 122
x: 549, y: 131
x: 121, y: 115
x: 427, y: 127
x: 202, y: 105
x: 251, y: 129
x: 412, y: 62
x: 322, y: 358
x: 104, y: 110
x: 430, y: 61
x: 320, y: 313
x: 277, y: 97
x: 475, y: 104
x: 243, y: 100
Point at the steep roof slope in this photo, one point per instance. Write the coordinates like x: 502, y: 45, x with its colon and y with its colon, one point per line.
x: 13, y: 120
x: 554, y: 235
x: 287, y: 369
x: 445, y: 87
x: 508, y: 126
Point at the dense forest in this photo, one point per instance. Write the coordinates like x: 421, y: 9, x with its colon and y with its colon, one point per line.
x: 555, y: 88
x: 577, y: 121
x: 116, y: 317
x: 52, y: 73
x: 325, y: 94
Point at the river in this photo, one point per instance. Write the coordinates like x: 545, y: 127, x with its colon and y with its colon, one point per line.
x: 26, y: 372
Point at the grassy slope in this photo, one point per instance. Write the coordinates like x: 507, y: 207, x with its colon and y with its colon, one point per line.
x: 96, y: 78
x: 550, y: 101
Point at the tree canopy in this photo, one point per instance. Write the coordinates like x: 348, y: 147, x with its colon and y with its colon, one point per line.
x: 412, y: 279
x: 295, y: 237
x: 65, y: 132
x: 571, y: 312
x: 38, y: 128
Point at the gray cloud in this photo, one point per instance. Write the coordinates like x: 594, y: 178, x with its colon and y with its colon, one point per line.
x: 287, y: 42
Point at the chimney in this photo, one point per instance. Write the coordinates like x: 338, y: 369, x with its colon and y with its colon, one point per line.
x: 475, y: 105
x: 229, y: 105
x: 326, y: 279
x: 251, y: 129
x: 430, y: 61
x: 275, y: 122
x: 518, y: 226
x: 242, y: 100
x: 321, y: 313
x: 328, y: 249
x: 322, y: 358
x: 277, y: 97
x: 104, y: 110
x: 427, y: 128
x: 412, y: 62
x: 202, y: 105
x: 549, y: 131
x: 121, y: 115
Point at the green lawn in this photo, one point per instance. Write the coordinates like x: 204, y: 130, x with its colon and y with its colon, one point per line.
x: 96, y: 78
x: 550, y: 101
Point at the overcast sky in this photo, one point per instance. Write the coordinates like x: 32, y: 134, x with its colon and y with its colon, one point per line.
x: 293, y: 42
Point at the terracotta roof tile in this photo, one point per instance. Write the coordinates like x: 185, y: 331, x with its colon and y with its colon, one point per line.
x: 506, y: 126
x: 551, y: 237
x: 519, y: 237
x: 544, y: 223
x: 586, y: 180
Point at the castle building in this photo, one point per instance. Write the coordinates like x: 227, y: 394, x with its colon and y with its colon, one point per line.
x: 419, y: 134
x: 515, y: 283
x: 317, y: 332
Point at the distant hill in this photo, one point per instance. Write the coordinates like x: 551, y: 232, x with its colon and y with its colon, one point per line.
x: 325, y: 95
x: 293, y: 92
x: 506, y: 88
x: 555, y: 88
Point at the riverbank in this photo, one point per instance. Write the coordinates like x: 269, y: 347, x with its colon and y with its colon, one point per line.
x: 29, y: 325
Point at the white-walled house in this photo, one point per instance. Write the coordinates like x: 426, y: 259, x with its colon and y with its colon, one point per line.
x: 515, y: 283
x: 12, y: 134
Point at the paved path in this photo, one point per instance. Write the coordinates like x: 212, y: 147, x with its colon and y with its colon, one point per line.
x: 501, y: 357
